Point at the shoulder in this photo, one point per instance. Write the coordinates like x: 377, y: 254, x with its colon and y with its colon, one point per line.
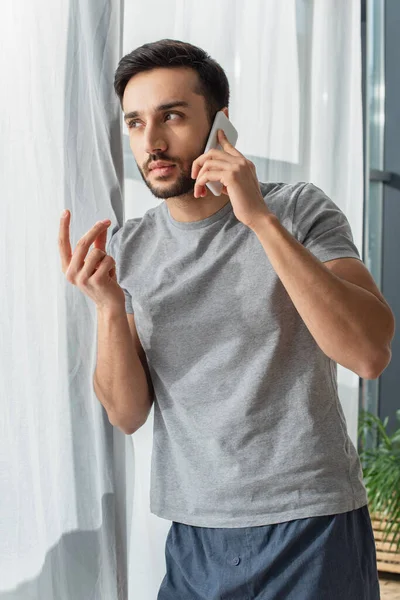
x: 120, y: 234
x: 279, y: 195
x: 133, y: 234
x: 281, y: 199
x: 278, y: 190
x: 297, y: 202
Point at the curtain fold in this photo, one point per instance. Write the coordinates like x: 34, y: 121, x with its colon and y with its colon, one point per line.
x: 74, y: 491
x: 64, y: 512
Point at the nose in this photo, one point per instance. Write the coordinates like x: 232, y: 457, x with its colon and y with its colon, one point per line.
x: 154, y: 142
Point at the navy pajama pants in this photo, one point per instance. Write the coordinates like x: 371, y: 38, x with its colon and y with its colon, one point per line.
x: 318, y: 558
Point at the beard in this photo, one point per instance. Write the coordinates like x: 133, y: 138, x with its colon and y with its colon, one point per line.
x: 183, y: 184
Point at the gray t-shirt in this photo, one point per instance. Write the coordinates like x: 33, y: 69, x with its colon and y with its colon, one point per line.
x: 248, y: 426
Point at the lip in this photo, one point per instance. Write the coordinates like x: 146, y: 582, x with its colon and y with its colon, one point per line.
x: 160, y: 163
x: 162, y: 170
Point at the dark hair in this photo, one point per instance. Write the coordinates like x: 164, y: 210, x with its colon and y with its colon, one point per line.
x: 213, y: 83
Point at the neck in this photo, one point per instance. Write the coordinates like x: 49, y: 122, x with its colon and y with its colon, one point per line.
x: 189, y: 209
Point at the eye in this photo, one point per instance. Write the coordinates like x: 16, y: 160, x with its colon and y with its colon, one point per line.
x: 175, y: 114
x: 131, y: 124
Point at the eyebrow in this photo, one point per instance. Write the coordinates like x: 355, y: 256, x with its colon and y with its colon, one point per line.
x: 159, y: 108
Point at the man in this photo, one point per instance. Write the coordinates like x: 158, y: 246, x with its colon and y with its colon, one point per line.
x: 243, y: 304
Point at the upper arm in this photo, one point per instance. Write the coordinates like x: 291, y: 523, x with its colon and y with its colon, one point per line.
x: 141, y: 352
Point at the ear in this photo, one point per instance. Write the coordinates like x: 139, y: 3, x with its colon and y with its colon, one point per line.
x: 225, y: 110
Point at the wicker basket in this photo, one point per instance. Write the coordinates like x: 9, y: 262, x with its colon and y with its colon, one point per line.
x: 388, y: 559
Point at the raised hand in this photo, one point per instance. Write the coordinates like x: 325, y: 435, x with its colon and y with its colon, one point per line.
x: 94, y: 273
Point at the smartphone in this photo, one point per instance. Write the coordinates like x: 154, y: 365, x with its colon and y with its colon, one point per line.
x: 221, y: 121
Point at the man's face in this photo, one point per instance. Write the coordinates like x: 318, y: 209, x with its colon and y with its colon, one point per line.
x: 175, y: 135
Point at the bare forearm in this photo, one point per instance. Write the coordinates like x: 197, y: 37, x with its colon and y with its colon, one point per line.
x: 350, y: 324
x: 119, y: 379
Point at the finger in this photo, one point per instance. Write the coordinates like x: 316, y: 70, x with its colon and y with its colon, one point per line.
x: 226, y: 145
x: 64, y: 244
x: 84, y: 244
x: 107, y: 265
x: 212, y: 155
x: 211, y: 176
x: 93, y: 261
x: 209, y: 165
x: 101, y: 240
x: 212, y: 165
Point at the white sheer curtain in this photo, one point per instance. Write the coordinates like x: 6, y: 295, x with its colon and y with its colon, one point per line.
x: 74, y: 492
x: 63, y: 524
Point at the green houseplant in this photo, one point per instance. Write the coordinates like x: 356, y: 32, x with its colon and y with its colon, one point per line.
x: 381, y: 470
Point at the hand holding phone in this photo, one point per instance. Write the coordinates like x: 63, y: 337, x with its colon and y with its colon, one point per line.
x: 221, y: 121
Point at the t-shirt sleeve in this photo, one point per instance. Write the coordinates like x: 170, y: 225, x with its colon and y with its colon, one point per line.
x: 321, y: 226
x: 113, y: 248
